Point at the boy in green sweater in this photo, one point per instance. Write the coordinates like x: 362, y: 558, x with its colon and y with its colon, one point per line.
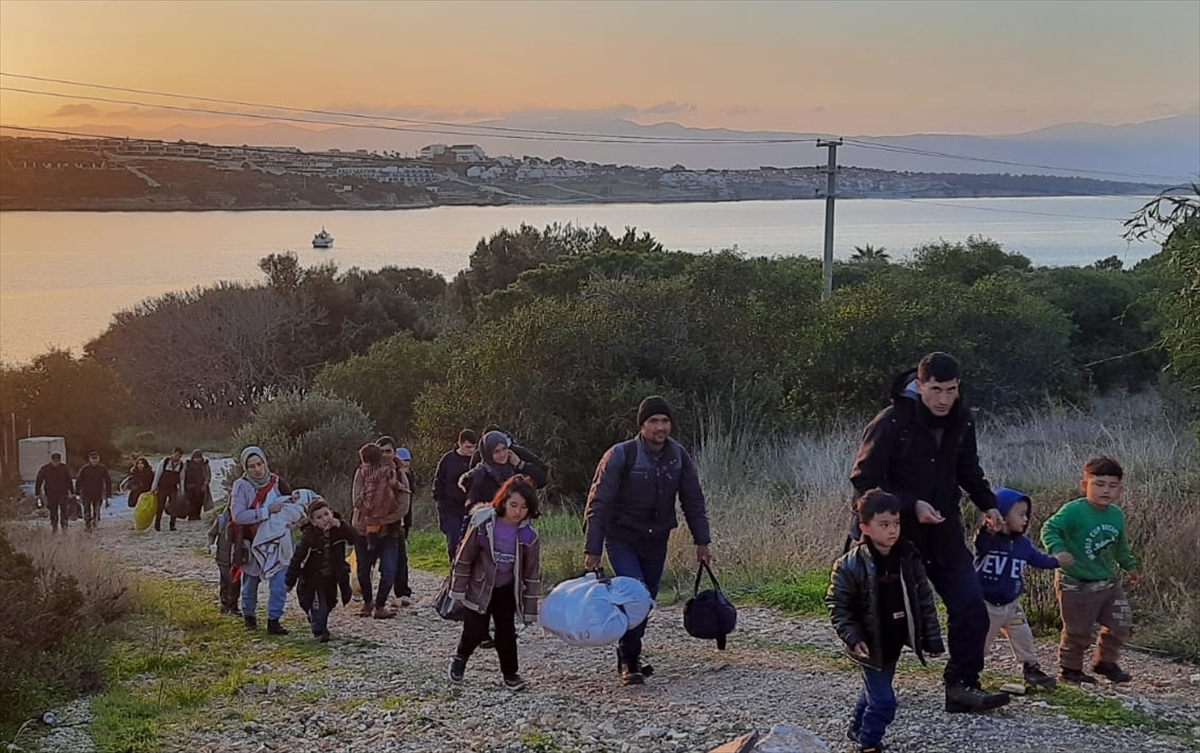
x: 1092, y: 530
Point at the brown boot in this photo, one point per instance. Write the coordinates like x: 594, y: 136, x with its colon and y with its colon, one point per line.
x: 366, y: 609
x: 383, y: 613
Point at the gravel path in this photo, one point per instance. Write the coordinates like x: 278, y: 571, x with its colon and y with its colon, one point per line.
x: 386, y: 688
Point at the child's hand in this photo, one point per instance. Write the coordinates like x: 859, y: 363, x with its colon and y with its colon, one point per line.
x: 1064, y: 559
x: 860, y: 650
x: 336, y: 523
x: 1134, y: 576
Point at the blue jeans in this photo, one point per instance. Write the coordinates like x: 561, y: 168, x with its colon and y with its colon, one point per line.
x: 323, y: 603
x: 387, y: 554
x: 876, y: 707
x: 646, y: 562
x: 451, y: 524
x: 276, y: 598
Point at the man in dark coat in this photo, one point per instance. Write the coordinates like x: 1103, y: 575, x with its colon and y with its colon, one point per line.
x: 631, y: 511
x: 922, y: 449
x: 95, y: 486
x: 54, y: 479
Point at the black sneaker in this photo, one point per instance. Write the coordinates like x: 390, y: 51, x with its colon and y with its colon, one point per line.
x: 458, y: 667
x: 962, y: 698
x: 274, y: 628
x: 251, y: 623
x: 323, y: 637
x: 853, y: 732
x: 1075, y: 676
x: 488, y: 642
x: 1034, y: 676
x: 514, y: 682
x: 1112, y: 671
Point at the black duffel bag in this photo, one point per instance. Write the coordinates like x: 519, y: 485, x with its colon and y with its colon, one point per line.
x: 709, y: 614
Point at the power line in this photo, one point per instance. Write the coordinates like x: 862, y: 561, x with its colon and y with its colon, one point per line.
x: 525, y: 134
x: 929, y: 153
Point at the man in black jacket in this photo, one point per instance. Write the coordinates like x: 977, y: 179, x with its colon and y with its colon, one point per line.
x: 922, y: 449
x: 54, y: 479
x: 451, y: 500
x: 94, y: 486
x: 631, y: 511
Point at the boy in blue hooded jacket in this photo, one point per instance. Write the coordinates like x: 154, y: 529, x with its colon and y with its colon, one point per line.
x: 1001, y: 555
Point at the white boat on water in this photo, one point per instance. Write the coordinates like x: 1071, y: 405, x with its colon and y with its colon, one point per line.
x: 323, y: 239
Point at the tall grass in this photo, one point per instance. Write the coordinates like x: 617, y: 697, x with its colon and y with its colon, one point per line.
x: 59, y: 599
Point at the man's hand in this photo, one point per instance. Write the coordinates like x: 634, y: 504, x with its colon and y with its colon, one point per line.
x: 927, y: 514
x: 591, y: 562
x: 1064, y: 559
x: 275, y: 507
x: 703, y: 555
x: 1134, y: 576
x: 860, y: 650
x: 995, y: 519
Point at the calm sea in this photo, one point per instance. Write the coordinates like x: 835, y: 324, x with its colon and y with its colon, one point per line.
x: 63, y: 274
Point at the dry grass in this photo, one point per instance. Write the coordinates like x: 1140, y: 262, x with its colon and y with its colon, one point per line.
x: 60, y: 597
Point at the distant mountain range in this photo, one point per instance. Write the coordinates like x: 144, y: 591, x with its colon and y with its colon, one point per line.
x: 1168, y: 147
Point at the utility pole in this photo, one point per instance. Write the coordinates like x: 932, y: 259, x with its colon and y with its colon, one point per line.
x: 830, y: 194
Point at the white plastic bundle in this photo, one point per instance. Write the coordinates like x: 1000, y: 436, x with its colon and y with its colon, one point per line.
x: 590, y: 611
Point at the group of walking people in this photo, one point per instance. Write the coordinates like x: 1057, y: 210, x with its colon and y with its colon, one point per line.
x: 906, y: 543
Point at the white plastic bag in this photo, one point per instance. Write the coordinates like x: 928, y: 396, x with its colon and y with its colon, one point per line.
x: 588, y: 611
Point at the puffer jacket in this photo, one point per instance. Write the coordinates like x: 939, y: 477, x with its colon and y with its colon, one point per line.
x: 474, y: 576
x: 319, y: 561
x: 639, y: 506
x: 853, y: 601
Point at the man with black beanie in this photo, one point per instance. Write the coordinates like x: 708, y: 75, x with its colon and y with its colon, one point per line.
x: 631, y: 512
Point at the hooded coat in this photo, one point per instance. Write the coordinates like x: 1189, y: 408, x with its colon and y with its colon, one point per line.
x: 484, y: 480
x: 911, y: 453
x: 474, y: 575
x: 1001, y: 557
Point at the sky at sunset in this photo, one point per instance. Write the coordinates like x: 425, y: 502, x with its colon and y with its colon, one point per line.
x: 848, y: 67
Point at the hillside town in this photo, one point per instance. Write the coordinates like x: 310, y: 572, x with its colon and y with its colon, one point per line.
x: 99, y: 173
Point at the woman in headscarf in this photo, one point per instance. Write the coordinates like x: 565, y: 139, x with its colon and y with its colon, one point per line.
x: 255, y: 497
x: 498, y: 463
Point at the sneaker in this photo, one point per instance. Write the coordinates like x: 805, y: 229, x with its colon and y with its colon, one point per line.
x: 1034, y: 676
x: 631, y: 672
x: 963, y: 698
x: 488, y: 643
x: 1075, y: 676
x: 1112, y: 671
x: 323, y: 637
x: 274, y: 628
x: 366, y: 609
x: 251, y: 623
x: 853, y: 732
x: 514, y: 682
x: 383, y: 614
x: 458, y: 667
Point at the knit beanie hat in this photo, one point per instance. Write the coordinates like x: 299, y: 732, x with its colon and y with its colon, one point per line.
x: 652, y: 406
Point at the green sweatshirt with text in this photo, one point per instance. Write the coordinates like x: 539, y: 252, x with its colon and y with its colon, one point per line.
x: 1095, y: 538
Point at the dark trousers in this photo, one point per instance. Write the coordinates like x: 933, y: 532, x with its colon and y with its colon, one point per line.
x: 195, y: 500
x: 324, y: 601
x: 57, y: 507
x: 401, y: 587
x: 646, y: 562
x: 166, y: 497
x: 229, y: 590
x: 386, y: 551
x: 502, y: 610
x: 876, y: 707
x: 91, y: 511
x: 952, y: 573
x: 451, y: 524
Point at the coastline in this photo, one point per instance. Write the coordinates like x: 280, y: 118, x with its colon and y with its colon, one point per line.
x: 158, y: 206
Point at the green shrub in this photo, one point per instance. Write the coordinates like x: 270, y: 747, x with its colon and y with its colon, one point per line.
x: 309, y: 439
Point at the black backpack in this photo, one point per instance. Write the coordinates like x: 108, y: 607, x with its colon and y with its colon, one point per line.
x: 709, y: 614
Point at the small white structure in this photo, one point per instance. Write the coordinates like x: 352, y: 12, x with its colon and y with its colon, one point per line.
x: 34, y: 452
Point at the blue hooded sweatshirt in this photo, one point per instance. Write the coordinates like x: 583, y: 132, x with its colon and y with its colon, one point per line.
x: 1000, y: 558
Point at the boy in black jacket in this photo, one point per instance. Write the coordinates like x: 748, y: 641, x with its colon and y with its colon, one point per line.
x: 881, y: 601
x: 319, y: 566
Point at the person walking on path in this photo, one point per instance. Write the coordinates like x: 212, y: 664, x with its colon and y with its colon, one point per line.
x: 378, y: 520
x: 197, y: 476
x: 451, y: 500
x: 254, y: 498
x: 168, y: 485
x: 94, y: 485
x: 922, y: 449
x: 54, y: 480
x: 631, y: 511
x: 140, y: 480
